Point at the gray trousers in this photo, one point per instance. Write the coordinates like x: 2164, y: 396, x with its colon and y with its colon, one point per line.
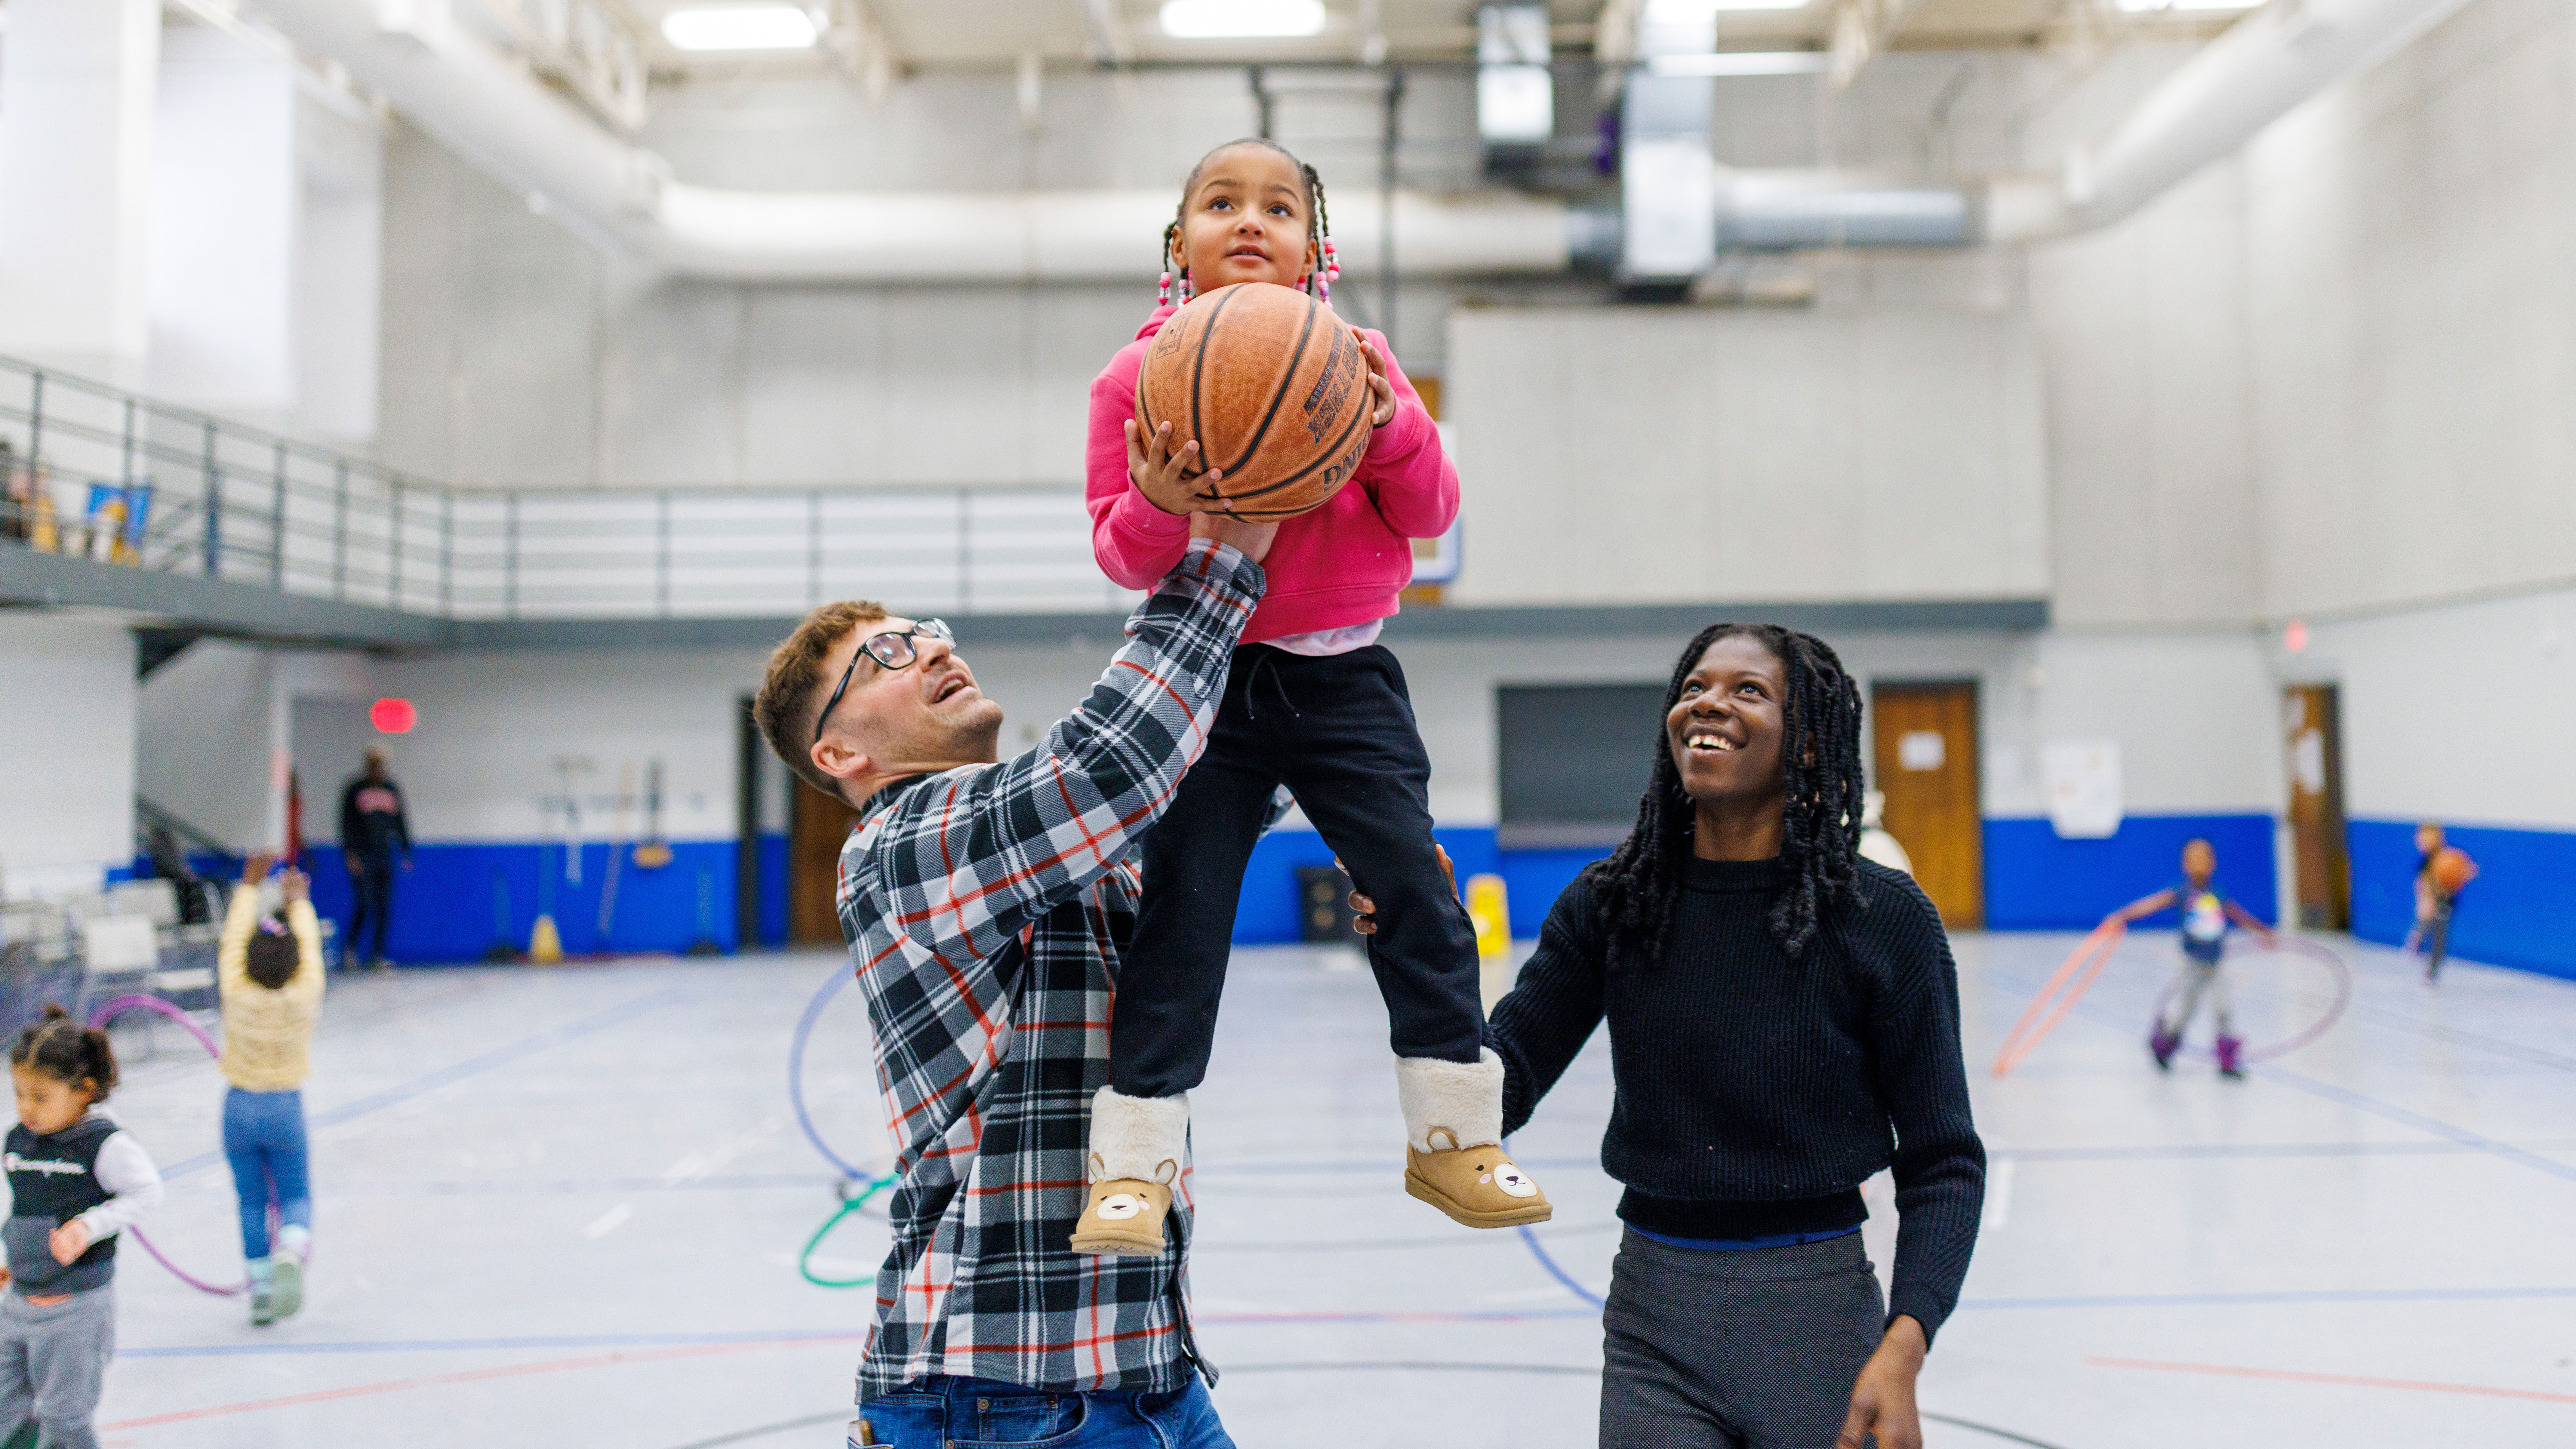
x: 1755, y: 1349
x: 52, y: 1361
x: 2195, y: 979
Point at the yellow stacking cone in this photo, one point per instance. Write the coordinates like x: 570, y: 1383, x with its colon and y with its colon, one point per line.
x: 545, y: 943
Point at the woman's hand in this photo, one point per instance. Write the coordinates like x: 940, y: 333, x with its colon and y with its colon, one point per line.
x: 255, y: 866
x: 69, y: 1241
x: 1364, y: 910
x: 1383, y: 412
x: 1882, y: 1401
x: 1155, y: 467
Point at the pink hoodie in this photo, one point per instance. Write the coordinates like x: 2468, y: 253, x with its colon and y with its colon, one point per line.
x: 1337, y: 566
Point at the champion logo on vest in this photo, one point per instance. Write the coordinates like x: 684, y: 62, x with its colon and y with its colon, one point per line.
x: 12, y: 1162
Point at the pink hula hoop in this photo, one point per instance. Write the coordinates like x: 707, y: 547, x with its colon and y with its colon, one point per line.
x: 109, y: 1010
x: 2285, y: 946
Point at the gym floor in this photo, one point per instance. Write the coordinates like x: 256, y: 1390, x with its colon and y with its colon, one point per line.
x: 563, y: 1207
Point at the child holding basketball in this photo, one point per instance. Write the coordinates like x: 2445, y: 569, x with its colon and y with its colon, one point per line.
x: 1312, y: 702
x: 76, y: 1180
x: 269, y: 970
x: 2206, y: 917
x: 2441, y: 873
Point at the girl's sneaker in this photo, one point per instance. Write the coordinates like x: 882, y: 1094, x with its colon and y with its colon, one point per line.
x: 263, y: 1292
x: 287, y: 1296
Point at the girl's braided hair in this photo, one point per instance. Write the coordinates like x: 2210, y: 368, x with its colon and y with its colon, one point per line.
x: 68, y: 1052
x: 1321, y: 230
x: 1636, y: 886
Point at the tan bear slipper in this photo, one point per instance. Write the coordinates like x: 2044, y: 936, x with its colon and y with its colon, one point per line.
x: 1123, y: 1217
x: 1479, y: 1186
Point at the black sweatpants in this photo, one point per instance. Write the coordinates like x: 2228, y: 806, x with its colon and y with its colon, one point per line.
x: 1339, y: 732
x: 371, y: 903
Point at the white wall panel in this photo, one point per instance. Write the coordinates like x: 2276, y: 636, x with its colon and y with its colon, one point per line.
x: 1632, y: 455
x: 66, y: 752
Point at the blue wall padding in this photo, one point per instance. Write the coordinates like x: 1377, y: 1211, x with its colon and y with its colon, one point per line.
x: 2038, y: 881
x: 773, y: 889
x: 2520, y: 911
x: 447, y: 908
x: 1533, y: 879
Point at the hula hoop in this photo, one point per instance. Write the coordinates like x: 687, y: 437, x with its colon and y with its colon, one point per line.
x: 2285, y: 946
x: 2059, y: 996
x: 805, y: 1122
x: 109, y: 1010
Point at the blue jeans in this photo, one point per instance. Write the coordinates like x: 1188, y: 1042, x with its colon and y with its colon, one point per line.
x: 264, y: 1138
x: 933, y: 1412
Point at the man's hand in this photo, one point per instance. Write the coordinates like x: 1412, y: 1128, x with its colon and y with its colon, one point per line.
x: 255, y: 866
x: 1882, y: 1401
x: 1364, y: 910
x: 356, y: 865
x: 1382, y: 405
x: 1154, y: 465
x: 1250, y: 539
x: 69, y: 1241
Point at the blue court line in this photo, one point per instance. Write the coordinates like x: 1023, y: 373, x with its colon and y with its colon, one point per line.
x: 2301, y: 1081
x: 470, y: 1067
x: 2389, y: 1111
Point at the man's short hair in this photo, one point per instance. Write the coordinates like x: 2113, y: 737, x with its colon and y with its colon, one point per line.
x: 792, y: 688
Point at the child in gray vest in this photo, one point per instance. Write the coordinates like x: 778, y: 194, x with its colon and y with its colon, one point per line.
x: 76, y: 1179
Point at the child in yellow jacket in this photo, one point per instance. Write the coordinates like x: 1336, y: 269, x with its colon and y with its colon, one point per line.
x: 269, y: 968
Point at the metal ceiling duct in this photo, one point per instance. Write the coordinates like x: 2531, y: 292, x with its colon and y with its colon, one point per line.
x: 481, y: 103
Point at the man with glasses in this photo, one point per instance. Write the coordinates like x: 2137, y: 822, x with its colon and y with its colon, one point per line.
x: 985, y: 901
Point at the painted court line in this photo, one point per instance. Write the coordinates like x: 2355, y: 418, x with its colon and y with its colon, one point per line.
x: 470, y: 1067
x: 2294, y: 1376
x: 467, y: 1376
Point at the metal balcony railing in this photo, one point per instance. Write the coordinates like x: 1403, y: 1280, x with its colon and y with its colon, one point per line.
x: 104, y: 472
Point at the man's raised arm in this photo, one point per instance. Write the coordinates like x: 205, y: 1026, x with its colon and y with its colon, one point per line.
x: 963, y: 862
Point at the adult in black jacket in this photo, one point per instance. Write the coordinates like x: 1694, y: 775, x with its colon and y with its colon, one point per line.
x: 1784, y: 1022
x: 373, y: 828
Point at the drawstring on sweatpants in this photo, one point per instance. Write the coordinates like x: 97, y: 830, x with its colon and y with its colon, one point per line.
x: 1269, y: 660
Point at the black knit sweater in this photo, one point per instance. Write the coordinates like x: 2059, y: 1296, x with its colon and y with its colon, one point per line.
x: 1754, y: 1093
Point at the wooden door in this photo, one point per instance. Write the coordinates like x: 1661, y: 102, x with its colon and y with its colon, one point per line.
x: 814, y: 836
x: 1925, y: 760
x: 2312, y: 722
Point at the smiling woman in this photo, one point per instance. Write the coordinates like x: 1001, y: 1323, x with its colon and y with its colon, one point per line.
x: 1784, y: 1022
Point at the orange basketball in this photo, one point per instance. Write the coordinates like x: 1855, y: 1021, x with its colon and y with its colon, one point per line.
x: 1273, y: 387
x: 2452, y: 868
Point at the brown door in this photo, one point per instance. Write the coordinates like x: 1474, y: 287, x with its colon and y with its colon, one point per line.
x: 2311, y: 717
x: 1925, y: 760
x: 814, y: 835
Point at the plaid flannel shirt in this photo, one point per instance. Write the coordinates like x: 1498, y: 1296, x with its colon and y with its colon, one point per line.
x: 985, y: 908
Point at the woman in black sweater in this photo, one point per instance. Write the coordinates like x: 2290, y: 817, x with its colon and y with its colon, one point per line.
x: 1784, y: 1022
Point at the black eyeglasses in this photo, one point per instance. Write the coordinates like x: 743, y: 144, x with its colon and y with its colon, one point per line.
x: 892, y: 650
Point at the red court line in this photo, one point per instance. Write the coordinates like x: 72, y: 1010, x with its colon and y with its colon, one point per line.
x: 506, y: 1371
x: 2296, y: 1377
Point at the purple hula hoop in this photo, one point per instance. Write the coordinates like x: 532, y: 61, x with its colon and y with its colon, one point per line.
x: 110, y: 1010
x: 2290, y: 946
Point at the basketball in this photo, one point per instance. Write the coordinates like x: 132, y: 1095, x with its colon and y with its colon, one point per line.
x: 2452, y: 868
x: 1272, y: 386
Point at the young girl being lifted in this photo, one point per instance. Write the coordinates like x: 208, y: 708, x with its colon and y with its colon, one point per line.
x: 1313, y: 702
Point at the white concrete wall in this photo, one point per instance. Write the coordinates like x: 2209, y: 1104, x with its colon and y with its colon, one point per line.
x: 1632, y: 455
x: 2410, y: 305
x: 206, y: 740
x: 67, y: 737
x: 2457, y: 713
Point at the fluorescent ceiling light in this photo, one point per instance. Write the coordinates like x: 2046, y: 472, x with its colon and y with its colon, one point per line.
x: 740, y: 27
x: 2149, y: 7
x: 1699, y: 12
x: 1740, y: 62
x: 1242, y: 19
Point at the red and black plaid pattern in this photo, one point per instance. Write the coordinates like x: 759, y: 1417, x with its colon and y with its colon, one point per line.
x: 986, y: 908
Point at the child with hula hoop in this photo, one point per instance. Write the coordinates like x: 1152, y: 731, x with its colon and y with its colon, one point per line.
x: 2206, y: 918
x: 269, y: 973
